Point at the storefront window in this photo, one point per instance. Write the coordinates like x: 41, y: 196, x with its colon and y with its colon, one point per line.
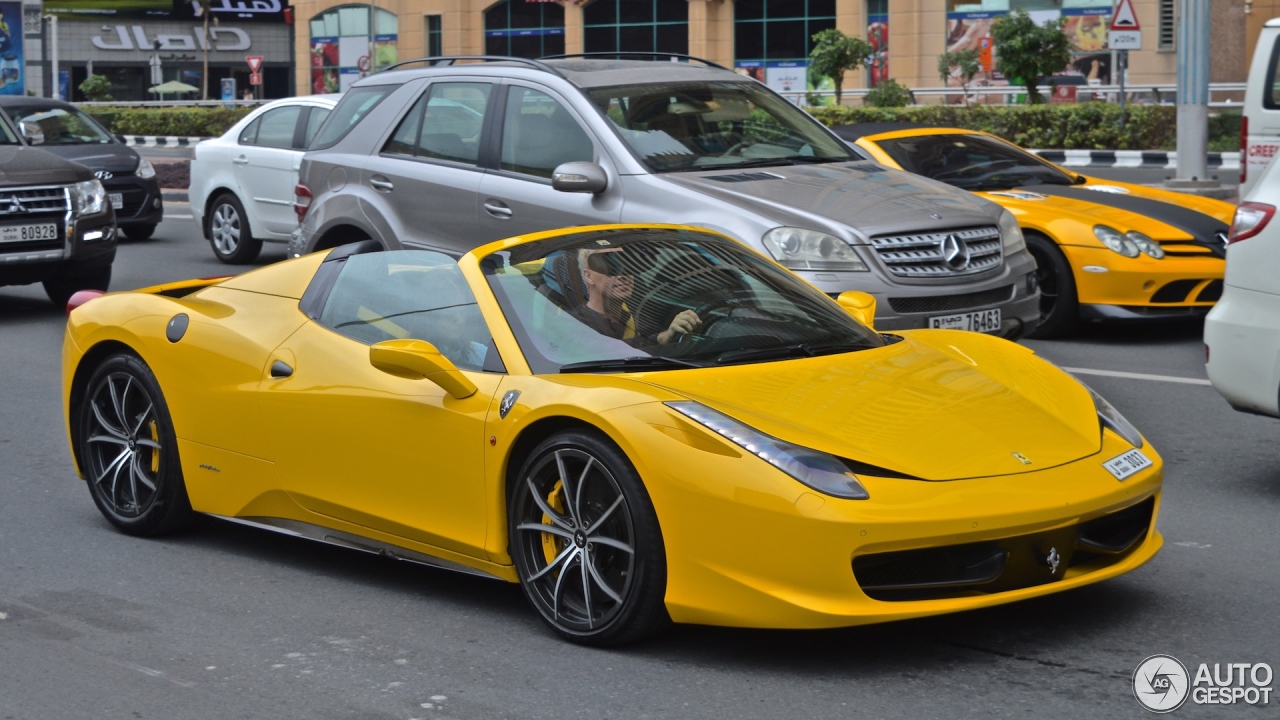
x: 524, y: 29
x: 340, y: 46
x: 636, y: 26
x: 772, y: 39
x: 878, y: 37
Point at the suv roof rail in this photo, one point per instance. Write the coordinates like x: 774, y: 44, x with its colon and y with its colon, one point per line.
x: 647, y: 55
x: 450, y: 59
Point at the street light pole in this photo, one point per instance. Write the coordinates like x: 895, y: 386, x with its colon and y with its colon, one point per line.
x: 1193, y: 91
x: 56, y: 87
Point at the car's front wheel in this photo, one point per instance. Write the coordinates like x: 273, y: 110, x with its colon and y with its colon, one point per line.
x: 61, y: 288
x: 139, y: 232
x: 229, y: 232
x: 1059, y: 304
x: 128, y: 450
x: 586, y: 543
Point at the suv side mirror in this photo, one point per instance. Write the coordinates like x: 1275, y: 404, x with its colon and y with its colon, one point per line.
x: 862, y: 306
x: 580, y: 177
x: 418, y: 360
x: 32, y: 132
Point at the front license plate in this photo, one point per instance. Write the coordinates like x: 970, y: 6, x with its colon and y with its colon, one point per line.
x: 117, y: 200
x: 27, y: 233
x: 980, y: 321
x: 1127, y: 464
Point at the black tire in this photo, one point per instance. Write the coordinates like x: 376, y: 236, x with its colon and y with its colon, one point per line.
x: 230, y: 236
x: 123, y: 421
x: 1059, y: 304
x: 60, y: 289
x: 139, y: 232
x: 555, y: 534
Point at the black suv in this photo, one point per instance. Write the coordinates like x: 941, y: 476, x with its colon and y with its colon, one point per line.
x: 56, y: 223
x: 68, y: 132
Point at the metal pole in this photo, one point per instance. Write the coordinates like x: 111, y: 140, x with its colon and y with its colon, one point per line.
x: 1122, y: 67
x: 44, y: 56
x: 53, y: 49
x: 1193, y: 90
x: 373, y: 34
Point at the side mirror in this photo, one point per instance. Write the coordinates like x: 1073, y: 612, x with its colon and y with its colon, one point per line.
x: 32, y: 132
x: 579, y: 177
x: 419, y: 360
x: 862, y: 306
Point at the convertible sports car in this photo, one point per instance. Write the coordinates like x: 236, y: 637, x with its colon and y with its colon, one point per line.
x: 638, y: 424
x: 1104, y: 250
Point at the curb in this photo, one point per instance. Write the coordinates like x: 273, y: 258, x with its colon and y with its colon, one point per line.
x: 175, y: 195
x: 1152, y: 159
x: 161, y: 140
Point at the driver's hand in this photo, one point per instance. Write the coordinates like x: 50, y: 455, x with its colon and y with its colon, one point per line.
x: 684, y: 323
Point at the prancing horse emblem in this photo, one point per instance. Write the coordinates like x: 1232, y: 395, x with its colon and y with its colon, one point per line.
x: 508, y: 402
x: 1022, y: 458
x: 1052, y: 560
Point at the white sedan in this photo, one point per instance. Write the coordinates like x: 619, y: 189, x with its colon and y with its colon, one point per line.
x: 241, y: 187
x: 1242, y: 332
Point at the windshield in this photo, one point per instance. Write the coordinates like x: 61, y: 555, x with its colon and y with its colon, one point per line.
x: 624, y: 299
x: 60, y: 126
x: 972, y: 162
x: 685, y: 126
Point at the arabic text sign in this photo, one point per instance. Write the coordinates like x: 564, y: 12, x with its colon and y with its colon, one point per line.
x: 237, y: 10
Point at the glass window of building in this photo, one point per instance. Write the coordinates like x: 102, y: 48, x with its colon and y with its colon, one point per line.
x: 779, y: 29
x: 636, y: 26
x: 435, y: 36
x: 344, y: 47
x: 524, y: 29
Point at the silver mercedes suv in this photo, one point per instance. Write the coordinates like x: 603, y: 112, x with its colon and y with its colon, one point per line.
x: 470, y: 150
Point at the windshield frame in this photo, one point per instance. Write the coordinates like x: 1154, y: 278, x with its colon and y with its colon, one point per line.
x: 24, y: 113
x: 885, y: 145
x: 800, y: 120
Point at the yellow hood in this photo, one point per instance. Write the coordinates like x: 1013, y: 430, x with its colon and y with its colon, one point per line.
x: 939, y: 405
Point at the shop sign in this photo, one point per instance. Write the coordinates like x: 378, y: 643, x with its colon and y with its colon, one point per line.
x: 220, y: 38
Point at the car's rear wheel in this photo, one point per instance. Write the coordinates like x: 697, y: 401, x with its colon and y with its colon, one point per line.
x: 586, y: 542
x: 229, y: 232
x: 139, y: 232
x: 128, y: 449
x: 1059, y: 304
x: 61, y: 288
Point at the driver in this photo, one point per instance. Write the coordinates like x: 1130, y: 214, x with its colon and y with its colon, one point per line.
x: 609, y: 285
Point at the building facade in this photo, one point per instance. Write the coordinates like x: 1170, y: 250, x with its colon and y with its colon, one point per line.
x: 768, y: 39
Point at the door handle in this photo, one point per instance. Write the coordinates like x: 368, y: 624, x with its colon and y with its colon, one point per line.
x: 381, y: 183
x: 497, y: 208
x: 280, y: 370
x: 242, y: 160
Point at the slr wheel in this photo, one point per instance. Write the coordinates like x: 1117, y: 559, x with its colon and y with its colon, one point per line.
x: 128, y: 450
x: 586, y: 542
x: 1059, y: 305
x: 229, y: 233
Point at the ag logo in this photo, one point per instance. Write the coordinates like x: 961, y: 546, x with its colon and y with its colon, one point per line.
x: 1161, y: 683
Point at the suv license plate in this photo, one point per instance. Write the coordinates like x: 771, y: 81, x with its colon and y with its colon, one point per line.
x: 28, y: 233
x: 1127, y: 464
x: 117, y: 200
x: 980, y: 321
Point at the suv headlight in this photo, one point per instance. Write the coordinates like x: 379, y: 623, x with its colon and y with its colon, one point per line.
x: 88, y: 197
x: 145, y: 169
x: 1116, y: 242
x: 1145, y: 244
x: 1112, y: 419
x: 1011, y: 234
x: 801, y: 249
x: 818, y: 470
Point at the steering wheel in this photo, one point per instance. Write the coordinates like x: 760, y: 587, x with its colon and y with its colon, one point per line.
x: 736, y: 149
x: 961, y: 172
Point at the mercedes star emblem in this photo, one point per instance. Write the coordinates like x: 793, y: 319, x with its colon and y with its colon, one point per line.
x: 955, y: 252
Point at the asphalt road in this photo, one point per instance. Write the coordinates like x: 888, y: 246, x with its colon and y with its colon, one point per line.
x: 232, y: 622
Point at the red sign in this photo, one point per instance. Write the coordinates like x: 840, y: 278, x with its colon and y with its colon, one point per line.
x: 255, y: 78
x: 363, y: 63
x: 255, y: 62
x: 985, y: 61
x: 1063, y: 94
x: 1124, y: 18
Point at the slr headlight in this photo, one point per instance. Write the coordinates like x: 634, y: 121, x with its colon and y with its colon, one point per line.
x: 1011, y: 234
x: 1115, y: 241
x: 1113, y: 420
x: 818, y: 470
x: 145, y: 169
x: 801, y: 249
x: 1145, y: 244
x: 88, y: 197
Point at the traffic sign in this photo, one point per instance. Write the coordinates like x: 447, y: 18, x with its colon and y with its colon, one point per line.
x: 1124, y: 18
x: 255, y: 62
x: 1124, y: 39
x: 255, y: 78
x: 363, y: 63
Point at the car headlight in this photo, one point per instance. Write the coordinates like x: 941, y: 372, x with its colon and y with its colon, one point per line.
x: 145, y: 169
x: 818, y: 470
x: 801, y: 249
x: 1145, y: 244
x: 1011, y: 234
x: 88, y: 197
x: 1116, y: 242
x: 1112, y: 419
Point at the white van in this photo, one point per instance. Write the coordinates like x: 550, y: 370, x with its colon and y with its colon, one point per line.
x: 1260, y: 129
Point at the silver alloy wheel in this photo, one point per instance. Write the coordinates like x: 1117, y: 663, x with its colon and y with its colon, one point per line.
x: 123, y: 446
x: 577, y: 541
x: 224, y: 228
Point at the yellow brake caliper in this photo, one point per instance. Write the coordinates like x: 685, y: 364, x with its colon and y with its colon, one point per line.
x: 552, y: 545
x: 155, y: 454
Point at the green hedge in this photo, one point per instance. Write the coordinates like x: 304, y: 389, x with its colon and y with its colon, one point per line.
x: 182, y: 121
x: 1083, y: 126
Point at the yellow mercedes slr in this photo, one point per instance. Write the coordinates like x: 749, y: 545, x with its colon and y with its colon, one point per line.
x: 1104, y: 250
x: 637, y: 424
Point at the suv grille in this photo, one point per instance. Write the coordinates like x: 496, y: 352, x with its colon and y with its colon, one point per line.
x: 21, y: 203
x: 940, y: 254
x: 942, y: 303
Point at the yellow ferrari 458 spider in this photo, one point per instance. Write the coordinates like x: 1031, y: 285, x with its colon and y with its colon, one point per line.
x: 638, y: 424
x: 1104, y: 250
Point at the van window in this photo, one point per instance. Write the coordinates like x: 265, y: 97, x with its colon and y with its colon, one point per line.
x: 1271, y: 91
x: 354, y: 107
